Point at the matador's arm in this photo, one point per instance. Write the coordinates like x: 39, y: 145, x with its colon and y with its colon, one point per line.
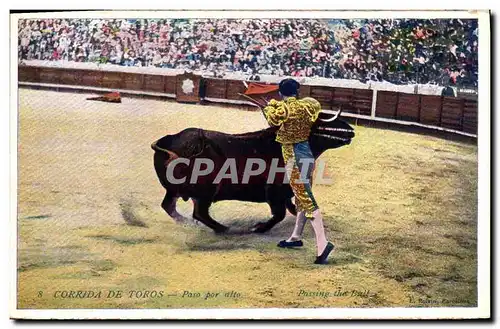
x: 276, y: 113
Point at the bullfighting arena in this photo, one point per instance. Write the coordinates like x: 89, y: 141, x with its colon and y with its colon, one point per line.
x: 401, y: 211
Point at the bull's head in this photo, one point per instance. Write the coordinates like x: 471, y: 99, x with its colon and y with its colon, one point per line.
x: 329, y: 132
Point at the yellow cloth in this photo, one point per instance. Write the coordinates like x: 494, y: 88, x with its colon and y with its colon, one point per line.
x: 295, y: 116
x: 304, y: 199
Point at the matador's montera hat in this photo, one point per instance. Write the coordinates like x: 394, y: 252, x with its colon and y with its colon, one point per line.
x: 289, y: 87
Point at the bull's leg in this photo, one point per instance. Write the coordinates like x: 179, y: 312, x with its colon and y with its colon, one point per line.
x: 276, y: 197
x: 278, y: 211
x: 201, y: 214
x: 291, y: 207
x: 168, y: 204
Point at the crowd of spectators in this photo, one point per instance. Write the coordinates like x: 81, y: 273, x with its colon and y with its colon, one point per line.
x: 401, y: 51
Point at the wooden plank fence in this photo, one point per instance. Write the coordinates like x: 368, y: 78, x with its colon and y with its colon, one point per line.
x: 458, y: 114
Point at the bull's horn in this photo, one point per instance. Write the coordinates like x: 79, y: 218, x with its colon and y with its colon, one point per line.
x: 335, y: 115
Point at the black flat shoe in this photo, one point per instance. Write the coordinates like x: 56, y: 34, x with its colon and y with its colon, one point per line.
x: 285, y: 244
x: 321, y: 259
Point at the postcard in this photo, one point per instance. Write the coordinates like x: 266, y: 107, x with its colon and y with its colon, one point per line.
x: 250, y: 165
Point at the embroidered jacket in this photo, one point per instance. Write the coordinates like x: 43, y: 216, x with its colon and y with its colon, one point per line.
x: 294, y: 116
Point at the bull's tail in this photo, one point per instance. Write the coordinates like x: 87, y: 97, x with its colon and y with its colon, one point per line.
x: 160, y: 158
x: 155, y: 147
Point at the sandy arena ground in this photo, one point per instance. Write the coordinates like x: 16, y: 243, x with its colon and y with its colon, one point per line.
x: 401, y: 210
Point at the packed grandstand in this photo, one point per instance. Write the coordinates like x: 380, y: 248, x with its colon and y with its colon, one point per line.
x: 399, y: 51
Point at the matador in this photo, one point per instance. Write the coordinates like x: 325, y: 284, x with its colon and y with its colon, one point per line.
x: 295, y: 117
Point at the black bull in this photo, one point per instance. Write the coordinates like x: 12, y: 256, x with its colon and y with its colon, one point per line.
x: 195, y: 143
